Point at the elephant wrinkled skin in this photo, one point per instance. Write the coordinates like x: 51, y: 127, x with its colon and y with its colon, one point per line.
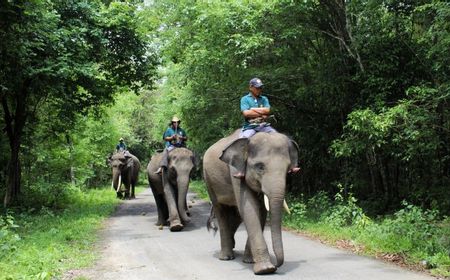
x: 266, y: 159
x: 125, y: 170
x: 170, y: 188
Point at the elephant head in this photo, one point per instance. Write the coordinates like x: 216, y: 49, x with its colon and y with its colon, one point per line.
x: 266, y: 159
x: 119, y: 162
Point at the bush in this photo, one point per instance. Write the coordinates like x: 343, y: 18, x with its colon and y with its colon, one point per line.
x: 298, y: 216
x: 345, y: 212
x: 318, y: 205
x: 55, y: 196
x: 8, y: 236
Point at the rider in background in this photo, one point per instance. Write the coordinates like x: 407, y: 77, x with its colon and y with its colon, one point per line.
x: 174, y: 137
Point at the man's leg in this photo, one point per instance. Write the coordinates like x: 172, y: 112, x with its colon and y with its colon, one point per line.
x: 165, y: 159
x: 267, y: 129
x: 247, y: 133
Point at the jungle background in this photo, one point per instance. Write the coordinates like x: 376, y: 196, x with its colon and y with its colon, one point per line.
x: 362, y: 86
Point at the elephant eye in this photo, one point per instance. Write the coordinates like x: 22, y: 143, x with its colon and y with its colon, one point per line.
x: 260, y: 166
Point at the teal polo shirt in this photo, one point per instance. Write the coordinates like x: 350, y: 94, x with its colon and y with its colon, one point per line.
x: 249, y: 101
x: 170, y: 132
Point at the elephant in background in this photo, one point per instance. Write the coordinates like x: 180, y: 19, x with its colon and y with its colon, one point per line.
x: 170, y: 187
x: 125, y: 170
x: 266, y: 159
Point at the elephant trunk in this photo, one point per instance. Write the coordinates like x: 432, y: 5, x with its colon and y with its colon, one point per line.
x: 276, y: 199
x: 183, y: 185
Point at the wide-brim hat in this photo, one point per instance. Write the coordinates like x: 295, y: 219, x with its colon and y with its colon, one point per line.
x: 175, y: 119
x: 121, y: 139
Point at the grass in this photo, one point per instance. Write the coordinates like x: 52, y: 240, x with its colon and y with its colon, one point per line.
x: 54, y: 241
x: 199, y: 188
x: 412, y: 237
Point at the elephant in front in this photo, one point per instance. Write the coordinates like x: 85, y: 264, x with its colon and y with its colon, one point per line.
x: 170, y: 187
x: 266, y: 159
x: 125, y: 170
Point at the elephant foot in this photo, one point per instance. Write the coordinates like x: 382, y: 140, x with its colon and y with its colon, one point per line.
x: 176, y: 227
x: 226, y: 255
x: 186, y: 221
x: 265, y: 267
x: 161, y: 223
x: 248, y: 258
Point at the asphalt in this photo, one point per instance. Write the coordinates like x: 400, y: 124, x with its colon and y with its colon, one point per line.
x: 133, y: 247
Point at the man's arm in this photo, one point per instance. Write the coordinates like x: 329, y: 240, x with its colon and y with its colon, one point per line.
x: 256, y: 112
x: 168, y: 136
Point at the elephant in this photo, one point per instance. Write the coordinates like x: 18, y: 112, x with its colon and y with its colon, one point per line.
x: 170, y: 187
x: 266, y: 159
x: 125, y: 169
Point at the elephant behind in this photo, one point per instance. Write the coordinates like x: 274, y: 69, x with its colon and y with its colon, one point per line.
x: 125, y: 170
x: 170, y: 187
x: 266, y: 159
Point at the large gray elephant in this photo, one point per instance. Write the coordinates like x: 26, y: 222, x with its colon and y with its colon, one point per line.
x: 125, y: 170
x: 266, y: 159
x: 170, y: 187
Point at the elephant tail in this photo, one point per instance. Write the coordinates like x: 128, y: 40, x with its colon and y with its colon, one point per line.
x: 211, y: 223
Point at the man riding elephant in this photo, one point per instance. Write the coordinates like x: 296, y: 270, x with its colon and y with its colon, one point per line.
x: 174, y: 137
x: 168, y: 176
x: 125, y: 170
x: 255, y: 109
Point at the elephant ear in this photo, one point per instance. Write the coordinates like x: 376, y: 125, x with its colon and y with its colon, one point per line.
x: 195, y: 160
x: 109, y: 159
x: 235, y: 154
x: 293, y: 153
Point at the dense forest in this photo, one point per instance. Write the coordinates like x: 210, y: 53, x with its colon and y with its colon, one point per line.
x: 362, y: 86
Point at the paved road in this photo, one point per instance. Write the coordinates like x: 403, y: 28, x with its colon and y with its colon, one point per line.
x: 134, y: 248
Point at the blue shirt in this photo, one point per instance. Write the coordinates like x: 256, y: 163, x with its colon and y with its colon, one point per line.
x: 121, y: 146
x: 249, y: 101
x: 170, y: 132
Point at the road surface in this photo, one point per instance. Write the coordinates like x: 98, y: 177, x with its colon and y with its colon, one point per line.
x: 133, y: 248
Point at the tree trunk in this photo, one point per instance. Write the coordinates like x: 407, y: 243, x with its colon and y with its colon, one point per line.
x: 14, y: 176
x: 14, y: 124
x: 71, y: 159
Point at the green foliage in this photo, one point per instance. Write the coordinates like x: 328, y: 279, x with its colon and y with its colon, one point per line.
x: 410, y: 230
x: 419, y: 235
x: 8, y: 235
x: 67, y: 58
x: 53, y: 241
x: 298, y: 209
x: 199, y: 187
x: 345, y: 211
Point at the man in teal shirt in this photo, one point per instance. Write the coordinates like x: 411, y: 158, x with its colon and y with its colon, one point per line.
x: 255, y: 108
x: 174, y: 137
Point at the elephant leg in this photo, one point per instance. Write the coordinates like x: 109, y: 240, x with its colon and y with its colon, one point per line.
x: 132, y: 190
x: 119, y: 194
x: 162, y: 210
x: 248, y: 258
x: 229, y: 220
x: 251, y: 215
x: 174, y: 218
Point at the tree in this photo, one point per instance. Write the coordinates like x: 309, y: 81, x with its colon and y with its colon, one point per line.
x: 71, y: 55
